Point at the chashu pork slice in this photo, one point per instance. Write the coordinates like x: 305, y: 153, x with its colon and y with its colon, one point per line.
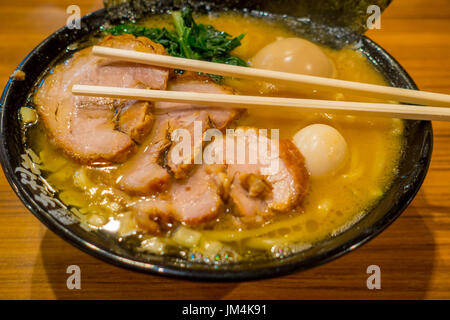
x: 266, y: 177
x: 196, y: 199
x: 93, y: 130
x: 190, y: 201
x: 143, y: 174
x: 190, y: 116
x: 146, y: 173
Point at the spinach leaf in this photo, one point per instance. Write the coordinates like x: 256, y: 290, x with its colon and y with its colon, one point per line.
x: 189, y: 39
x: 163, y: 36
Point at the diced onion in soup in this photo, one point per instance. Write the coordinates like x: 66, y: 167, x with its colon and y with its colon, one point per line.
x: 96, y: 220
x: 153, y: 245
x: 212, y: 248
x: 28, y: 115
x: 186, y: 237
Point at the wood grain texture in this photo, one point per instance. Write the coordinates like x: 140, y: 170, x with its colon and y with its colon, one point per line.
x: 413, y: 253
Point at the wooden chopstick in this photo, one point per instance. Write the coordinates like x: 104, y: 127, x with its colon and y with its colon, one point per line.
x: 368, y: 90
x: 224, y: 100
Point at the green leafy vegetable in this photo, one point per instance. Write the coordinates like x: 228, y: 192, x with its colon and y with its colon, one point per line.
x: 189, y: 39
x: 163, y: 36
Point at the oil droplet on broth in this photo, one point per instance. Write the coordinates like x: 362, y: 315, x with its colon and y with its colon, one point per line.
x: 311, y: 225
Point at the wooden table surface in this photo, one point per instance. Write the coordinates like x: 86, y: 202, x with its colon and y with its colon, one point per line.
x: 413, y: 253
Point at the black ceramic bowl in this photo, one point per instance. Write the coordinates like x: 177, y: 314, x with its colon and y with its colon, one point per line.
x: 412, y: 170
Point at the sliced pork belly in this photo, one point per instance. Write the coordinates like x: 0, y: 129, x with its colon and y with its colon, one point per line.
x: 135, y: 119
x: 290, y: 182
x: 191, y: 201
x: 143, y: 174
x: 196, y: 199
x: 184, y: 115
x: 179, y: 164
x: 262, y: 182
x: 194, y: 82
x: 116, y: 73
x: 154, y: 215
x: 85, y: 127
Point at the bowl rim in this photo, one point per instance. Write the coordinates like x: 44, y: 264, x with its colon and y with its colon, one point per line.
x: 187, y: 273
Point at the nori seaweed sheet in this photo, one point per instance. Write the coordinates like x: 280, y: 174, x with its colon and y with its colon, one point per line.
x: 334, y: 23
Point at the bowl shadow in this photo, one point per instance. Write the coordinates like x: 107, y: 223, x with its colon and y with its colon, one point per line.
x: 100, y: 280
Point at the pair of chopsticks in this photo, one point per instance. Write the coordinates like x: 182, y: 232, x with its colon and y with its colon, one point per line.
x: 436, y: 111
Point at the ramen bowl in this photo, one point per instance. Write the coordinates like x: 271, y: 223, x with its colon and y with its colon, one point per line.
x: 49, y: 210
